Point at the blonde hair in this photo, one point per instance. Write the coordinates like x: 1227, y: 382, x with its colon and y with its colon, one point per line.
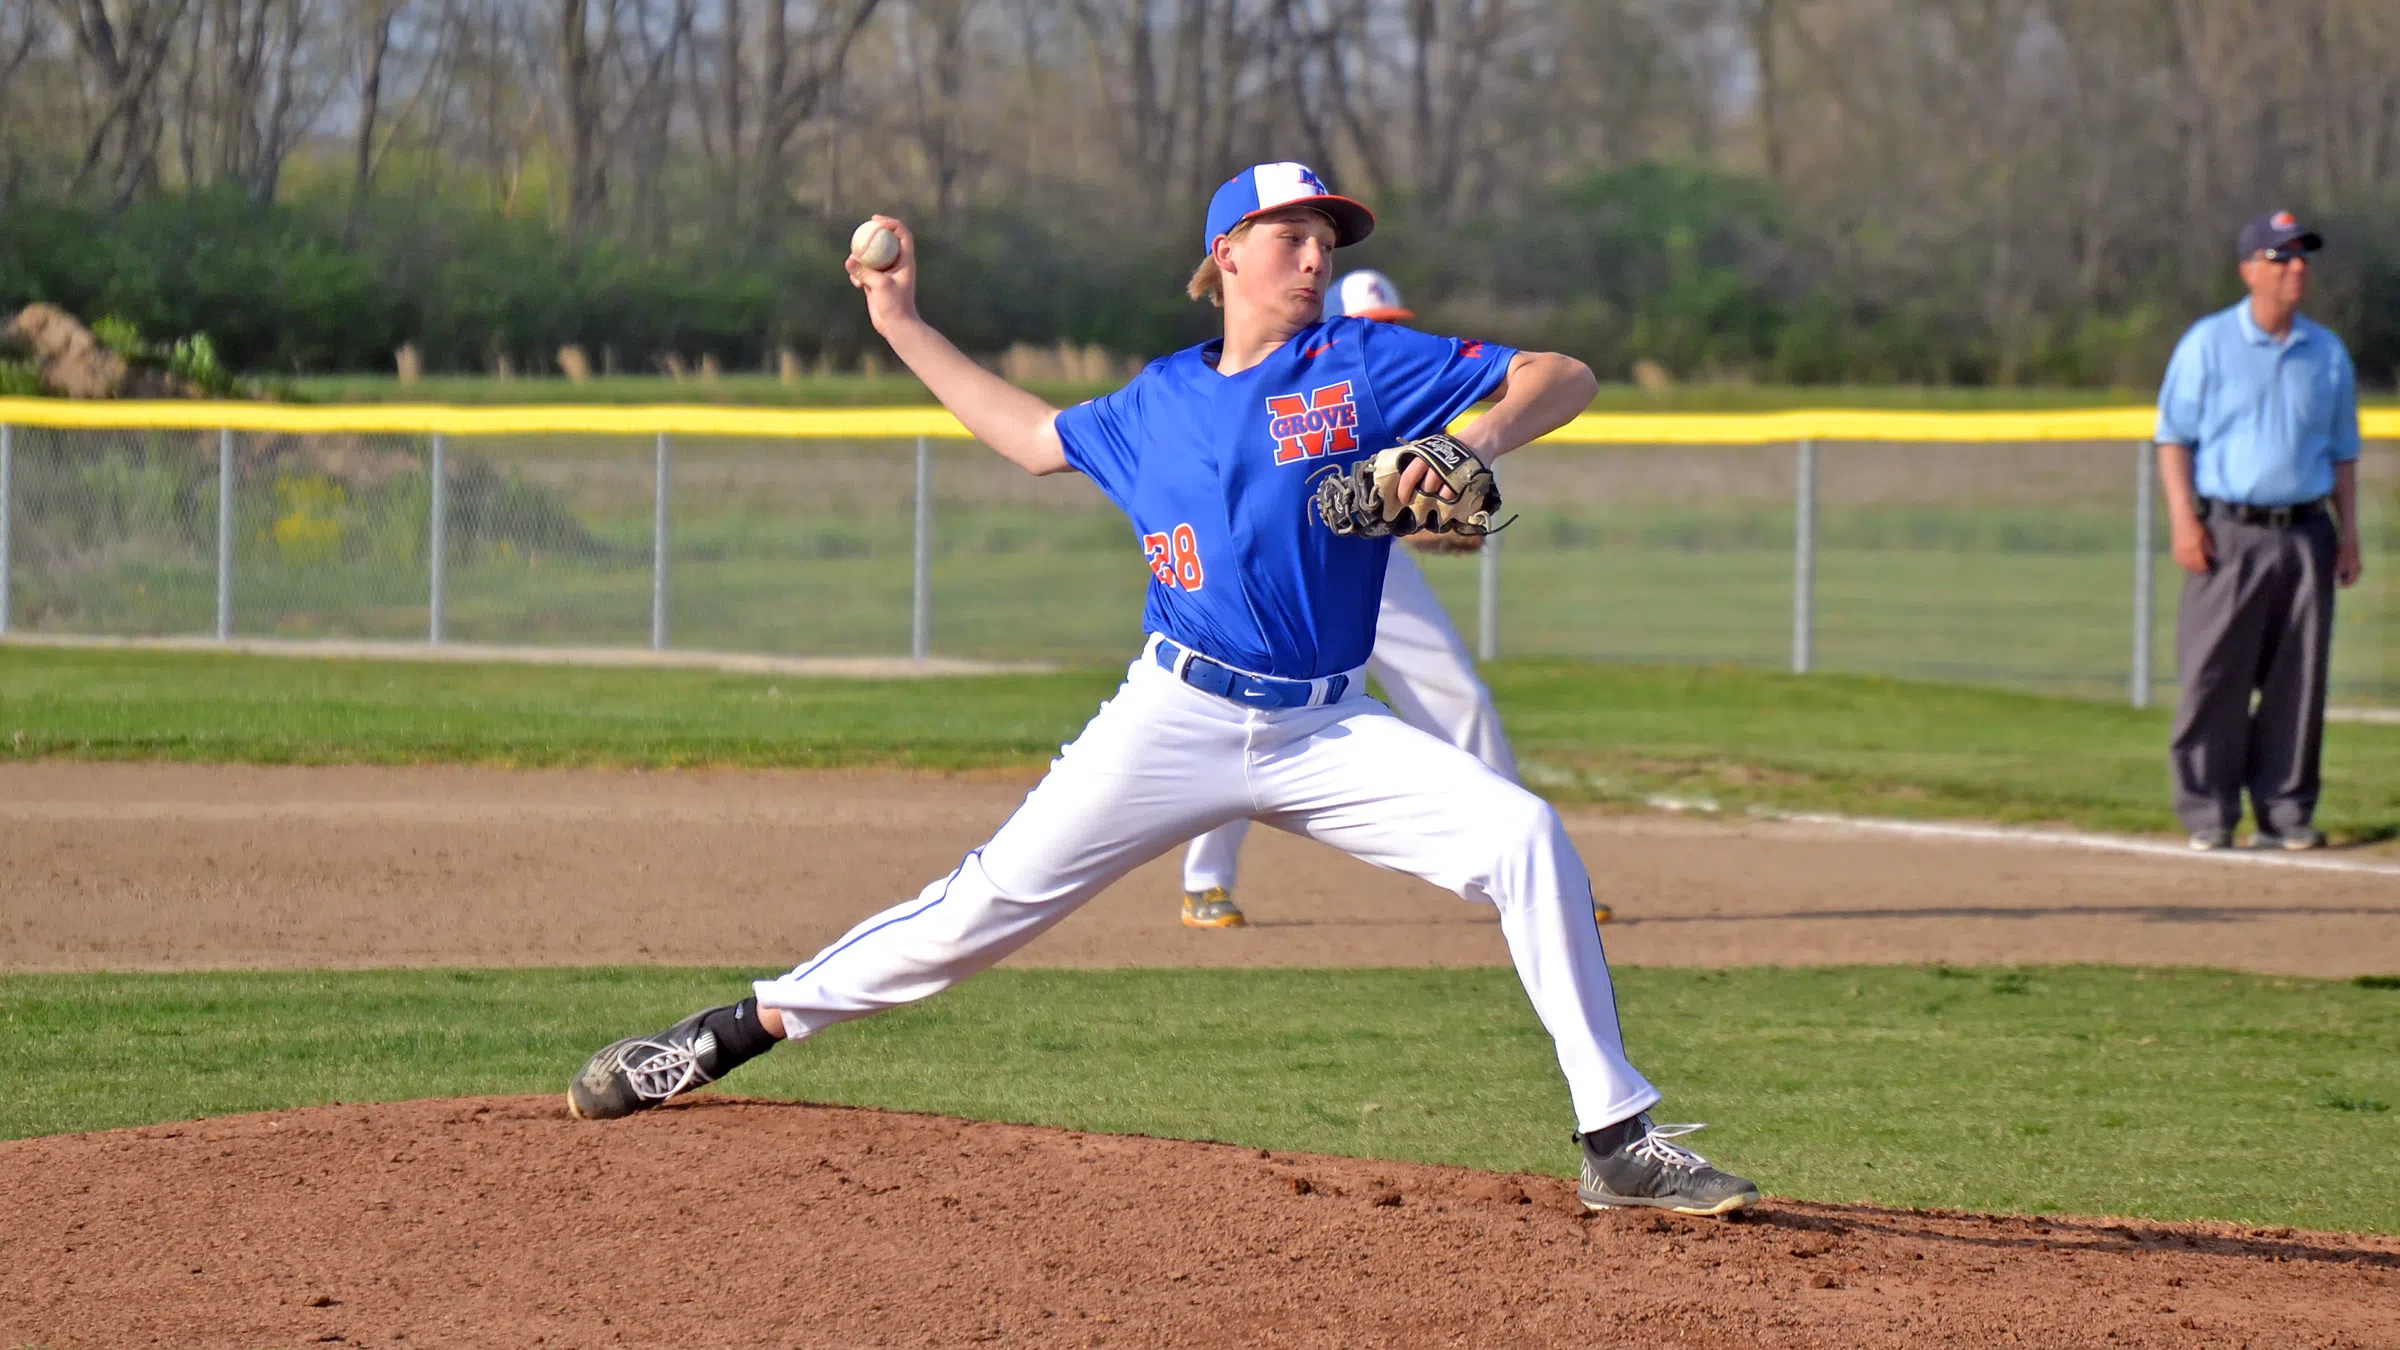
x: 1208, y: 283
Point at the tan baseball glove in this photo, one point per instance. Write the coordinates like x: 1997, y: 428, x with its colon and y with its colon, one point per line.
x: 1438, y: 545
x: 1365, y: 499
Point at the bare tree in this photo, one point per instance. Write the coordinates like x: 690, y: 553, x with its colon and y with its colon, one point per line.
x: 23, y: 33
x: 582, y: 95
x: 760, y: 72
x: 1453, y: 46
x: 802, y: 59
x: 646, y: 129
x: 933, y: 53
x: 124, y: 53
x: 490, y: 92
x: 2021, y: 168
x: 20, y: 33
x: 374, y: 39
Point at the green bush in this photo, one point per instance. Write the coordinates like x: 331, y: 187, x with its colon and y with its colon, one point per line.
x: 120, y: 336
x: 1706, y: 272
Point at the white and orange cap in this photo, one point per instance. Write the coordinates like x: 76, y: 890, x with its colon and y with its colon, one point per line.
x: 1367, y: 294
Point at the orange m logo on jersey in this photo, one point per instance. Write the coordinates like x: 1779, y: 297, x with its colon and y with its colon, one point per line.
x: 1312, y: 425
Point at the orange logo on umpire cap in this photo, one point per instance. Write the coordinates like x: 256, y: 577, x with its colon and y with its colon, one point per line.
x: 2283, y: 220
x: 1312, y: 425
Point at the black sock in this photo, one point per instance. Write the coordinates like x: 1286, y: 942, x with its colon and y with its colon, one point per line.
x: 1610, y: 1138
x: 740, y: 1038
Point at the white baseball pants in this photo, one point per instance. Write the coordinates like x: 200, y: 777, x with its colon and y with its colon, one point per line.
x: 1428, y: 678
x: 1162, y: 762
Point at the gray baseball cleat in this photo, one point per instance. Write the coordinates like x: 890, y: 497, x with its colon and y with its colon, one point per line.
x: 639, y: 1072
x: 1636, y: 1163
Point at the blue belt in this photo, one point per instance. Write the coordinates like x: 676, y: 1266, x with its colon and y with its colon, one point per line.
x: 1257, y: 691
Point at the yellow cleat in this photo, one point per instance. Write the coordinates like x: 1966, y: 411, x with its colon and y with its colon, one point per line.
x: 1603, y: 914
x: 1212, y: 908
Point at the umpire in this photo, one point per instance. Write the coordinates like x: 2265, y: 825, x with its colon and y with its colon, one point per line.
x: 2258, y: 449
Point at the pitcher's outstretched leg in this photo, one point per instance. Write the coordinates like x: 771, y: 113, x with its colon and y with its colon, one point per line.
x: 1395, y: 796
x: 1155, y: 766
x: 639, y: 1072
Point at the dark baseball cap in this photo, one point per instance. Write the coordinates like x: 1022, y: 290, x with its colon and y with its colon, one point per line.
x: 2274, y: 230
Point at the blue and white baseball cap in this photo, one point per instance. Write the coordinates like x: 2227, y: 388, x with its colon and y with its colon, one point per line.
x: 1268, y: 187
x: 1367, y: 294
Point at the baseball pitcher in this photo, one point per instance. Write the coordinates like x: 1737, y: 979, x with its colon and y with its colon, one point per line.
x: 1266, y: 473
x: 1427, y: 675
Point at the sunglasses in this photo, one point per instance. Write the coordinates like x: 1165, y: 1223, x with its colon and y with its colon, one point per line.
x: 2281, y: 255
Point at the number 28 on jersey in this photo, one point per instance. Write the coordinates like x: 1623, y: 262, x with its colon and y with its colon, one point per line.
x: 1174, y: 557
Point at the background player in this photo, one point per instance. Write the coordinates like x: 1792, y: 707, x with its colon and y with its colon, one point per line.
x: 1246, y: 699
x: 1422, y: 662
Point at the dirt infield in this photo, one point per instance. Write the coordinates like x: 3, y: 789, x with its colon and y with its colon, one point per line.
x: 141, y: 866
x: 718, y: 1222
x: 500, y: 1222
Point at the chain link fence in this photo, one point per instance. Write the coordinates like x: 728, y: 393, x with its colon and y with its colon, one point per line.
x: 2006, y: 563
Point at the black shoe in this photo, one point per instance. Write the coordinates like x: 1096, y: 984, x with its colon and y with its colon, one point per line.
x: 2209, y: 841
x: 639, y: 1072
x: 2295, y: 839
x: 1637, y: 1163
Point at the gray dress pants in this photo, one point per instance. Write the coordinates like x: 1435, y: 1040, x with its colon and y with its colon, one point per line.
x: 2260, y: 622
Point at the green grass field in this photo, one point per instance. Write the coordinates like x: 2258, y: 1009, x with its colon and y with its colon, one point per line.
x: 1587, y: 732
x: 2169, y: 1094
x: 2161, y: 1093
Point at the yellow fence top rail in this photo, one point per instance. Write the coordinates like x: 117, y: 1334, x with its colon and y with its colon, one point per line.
x: 864, y: 424
x: 596, y: 419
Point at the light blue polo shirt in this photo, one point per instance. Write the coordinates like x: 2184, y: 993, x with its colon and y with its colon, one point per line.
x: 2266, y: 420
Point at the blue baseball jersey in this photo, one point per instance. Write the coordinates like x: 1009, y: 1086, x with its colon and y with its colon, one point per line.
x: 1219, y: 475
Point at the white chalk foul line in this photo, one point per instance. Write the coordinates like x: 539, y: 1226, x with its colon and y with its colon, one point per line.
x: 2104, y: 843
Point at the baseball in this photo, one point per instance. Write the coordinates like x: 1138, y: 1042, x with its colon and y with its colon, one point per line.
x: 875, y: 245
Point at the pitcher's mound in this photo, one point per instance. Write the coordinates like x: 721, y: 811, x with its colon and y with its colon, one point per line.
x: 719, y: 1222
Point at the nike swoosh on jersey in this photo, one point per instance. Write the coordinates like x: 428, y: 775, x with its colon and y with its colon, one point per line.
x: 1312, y: 353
